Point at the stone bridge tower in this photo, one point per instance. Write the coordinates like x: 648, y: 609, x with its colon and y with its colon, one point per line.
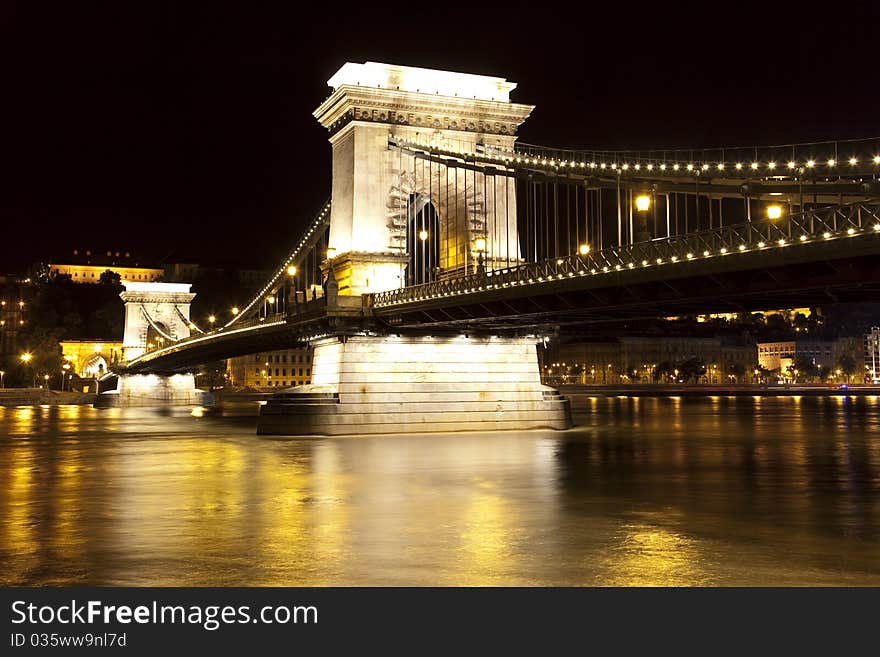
x: 375, y: 187
x: 155, y: 314
x: 392, y: 383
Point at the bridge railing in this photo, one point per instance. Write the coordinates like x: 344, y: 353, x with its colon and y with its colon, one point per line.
x: 828, y: 223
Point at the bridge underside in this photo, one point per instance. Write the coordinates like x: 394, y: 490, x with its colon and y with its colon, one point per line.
x: 848, y: 271
x: 792, y: 277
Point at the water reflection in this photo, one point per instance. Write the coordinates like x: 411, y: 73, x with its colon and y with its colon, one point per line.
x: 653, y: 491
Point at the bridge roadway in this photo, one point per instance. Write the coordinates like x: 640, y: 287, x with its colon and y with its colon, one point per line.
x: 812, y: 260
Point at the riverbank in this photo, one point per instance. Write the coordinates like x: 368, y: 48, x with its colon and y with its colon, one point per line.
x: 41, y: 396
x: 680, y: 390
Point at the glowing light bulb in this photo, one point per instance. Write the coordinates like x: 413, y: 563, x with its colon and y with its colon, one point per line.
x: 774, y: 211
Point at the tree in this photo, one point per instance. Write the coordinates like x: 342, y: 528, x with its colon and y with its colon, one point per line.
x: 664, y: 370
x: 109, y: 277
x: 692, y: 368
x: 762, y: 374
x: 736, y: 369
x: 805, y: 367
x: 847, y: 364
x: 213, y: 375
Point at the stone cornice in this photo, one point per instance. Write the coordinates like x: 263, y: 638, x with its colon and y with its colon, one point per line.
x: 147, y: 297
x: 405, y: 108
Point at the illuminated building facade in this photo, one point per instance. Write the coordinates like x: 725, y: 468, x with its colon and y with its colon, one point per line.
x: 12, y: 319
x: 872, y: 355
x: 91, y: 358
x: 87, y: 267
x: 275, y: 369
x: 640, y: 359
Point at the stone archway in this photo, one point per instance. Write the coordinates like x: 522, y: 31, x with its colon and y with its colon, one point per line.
x: 422, y: 240
x: 93, y: 366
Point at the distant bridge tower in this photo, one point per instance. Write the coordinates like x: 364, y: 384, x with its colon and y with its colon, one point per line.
x: 155, y: 314
x: 468, y: 217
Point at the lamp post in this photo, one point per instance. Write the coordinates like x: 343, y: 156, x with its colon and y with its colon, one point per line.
x: 26, y: 359
x: 64, y: 367
x: 643, y: 204
x: 291, y: 272
x: 46, y: 379
x: 423, y: 237
x: 480, y: 248
x: 2, y: 374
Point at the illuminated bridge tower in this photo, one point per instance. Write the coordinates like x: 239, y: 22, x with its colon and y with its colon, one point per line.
x: 399, y: 219
x: 156, y: 315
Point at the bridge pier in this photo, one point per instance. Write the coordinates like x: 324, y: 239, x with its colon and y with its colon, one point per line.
x: 155, y: 389
x: 390, y: 384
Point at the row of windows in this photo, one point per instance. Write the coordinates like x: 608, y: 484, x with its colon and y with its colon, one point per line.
x: 284, y: 371
x: 281, y: 358
x: 139, y: 277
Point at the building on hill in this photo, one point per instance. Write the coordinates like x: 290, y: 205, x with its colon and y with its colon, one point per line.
x: 86, y: 266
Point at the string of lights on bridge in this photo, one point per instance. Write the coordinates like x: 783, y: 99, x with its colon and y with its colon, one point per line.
x: 288, y: 266
x: 654, y: 166
x: 395, y: 297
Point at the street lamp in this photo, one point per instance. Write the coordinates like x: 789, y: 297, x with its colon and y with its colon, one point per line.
x: 212, y: 319
x: 291, y: 271
x: 64, y: 367
x: 584, y: 249
x: 235, y: 310
x: 46, y: 379
x: 774, y: 211
x: 423, y: 274
x: 2, y: 374
x: 643, y: 202
x: 26, y: 358
x: 480, y: 248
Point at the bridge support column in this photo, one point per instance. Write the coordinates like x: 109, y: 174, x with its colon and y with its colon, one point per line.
x: 155, y: 389
x: 390, y: 384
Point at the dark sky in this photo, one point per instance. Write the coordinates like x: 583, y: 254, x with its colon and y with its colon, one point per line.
x: 151, y: 127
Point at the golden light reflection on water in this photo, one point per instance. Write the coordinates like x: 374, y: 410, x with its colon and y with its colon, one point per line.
x: 17, y: 499
x: 485, y: 538
x: 658, y: 492
x: 649, y: 555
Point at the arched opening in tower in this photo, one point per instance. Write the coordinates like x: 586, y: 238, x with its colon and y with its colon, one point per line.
x: 155, y: 337
x: 422, y: 240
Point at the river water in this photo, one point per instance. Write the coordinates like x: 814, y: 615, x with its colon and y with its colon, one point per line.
x: 644, y: 491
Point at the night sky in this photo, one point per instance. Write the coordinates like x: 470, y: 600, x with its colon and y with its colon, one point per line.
x: 187, y: 133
